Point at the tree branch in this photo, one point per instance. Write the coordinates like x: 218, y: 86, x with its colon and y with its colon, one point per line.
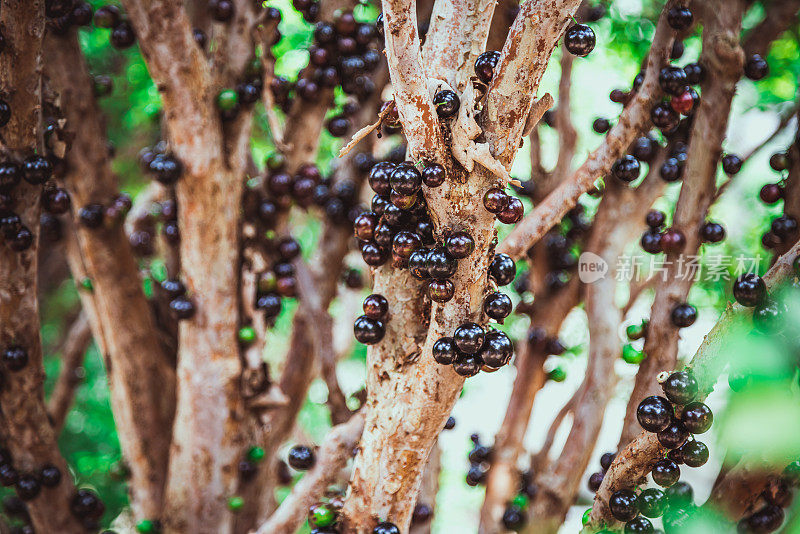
x: 332, y: 457
x: 72, y: 352
x: 636, y: 460
x: 780, y: 14
x: 142, y: 380
x: 723, y: 59
x: 632, y: 123
x: 26, y: 428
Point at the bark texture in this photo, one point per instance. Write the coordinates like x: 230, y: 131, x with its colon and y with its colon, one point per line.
x: 723, y: 59
x: 29, y: 435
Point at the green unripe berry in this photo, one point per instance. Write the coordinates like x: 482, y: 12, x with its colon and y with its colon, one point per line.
x: 235, y: 504
x: 322, y: 516
x: 247, y: 335
x: 146, y: 526
x: 520, y: 501
x: 227, y: 100
x: 631, y: 355
x: 255, y: 454
x: 586, y: 515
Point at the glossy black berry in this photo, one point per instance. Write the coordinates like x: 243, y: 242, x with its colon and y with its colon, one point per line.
x: 712, y: 232
x: 8, y: 475
x: 654, y: 413
x: 694, y: 453
x: 15, y: 358
x: 651, y: 502
x: 756, y: 68
x: 37, y: 170
x: 666, y: 473
x: 664, y: 117
x: 607, y: 459
x: 107, y: 16
x: 694, y: 73
x: 441, y: 290
x: 485, y: 65
x: 513, y: 211
x: 385, y: 528
x: 769, y: 194
x: 21, y: 241
x: 55, y: 200
x: 683, y: 315
x: 697, y: 417
x: 444, y: 351
x: 10, y: 175
x: 497, y: 349
x: 469, y: 338
x: 680, y: 387
x: 50, y: 476
x: 768, y: 519
x: 673, y: 436
x: 672, y: 80
x: 91, y: 215
x: 418, y: 263
x: 622, y: 504
x: 601, y: 125
x: 122, y: 36
x: 502, y: 269
x: 639, y: 525
x: 655, y: 219
x: 459, y: 244
x: 731, y: 164
x: 468, y: 365
x: 579, y: 40
x: 784, y: 227
x: 514, y: 519
x: 651, y: 241
x: 405, y: 179
x: 679, y: 18
x: 626, y: 168
x: 594, y: 481
x: 376, y: 307
x: 433, y: 175
x: 497, y: 305
x: 446, y: 103
x: 301, y: 458
x: 368, y: 331
x: 405, y: 243
x: 182, y: 308
x: 441, y: 264
x: 749, y: 290
x: 28, y: 487
x: 671, y: 170
x: 221, y: 10
x: 495, y: 200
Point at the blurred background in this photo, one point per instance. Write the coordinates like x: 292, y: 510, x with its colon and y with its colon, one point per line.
x: 132, y: 110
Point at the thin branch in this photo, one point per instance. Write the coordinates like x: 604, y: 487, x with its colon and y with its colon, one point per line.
x: 132, y: 354
x: 332, y: 457
x: 636, y: 460
x: 73, y: 350
x: 780, y: 15
x: 723, y: 59
x: 632, y: 123
x: 503, y: 477
x: 616, y: 224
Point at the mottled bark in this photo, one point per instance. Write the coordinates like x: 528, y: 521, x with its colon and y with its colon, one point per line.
x: 723, y: 60
x: 141, y: 378
x: 26, y: 428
